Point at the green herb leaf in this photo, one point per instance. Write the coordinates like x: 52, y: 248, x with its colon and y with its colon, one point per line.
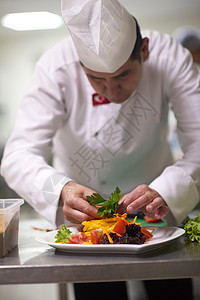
x: 106, y: 207
x: 95, y: 199
x: 63, y: 235
x: 192, y: 229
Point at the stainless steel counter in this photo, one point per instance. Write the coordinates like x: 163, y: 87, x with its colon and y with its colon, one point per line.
x: 33, y: 262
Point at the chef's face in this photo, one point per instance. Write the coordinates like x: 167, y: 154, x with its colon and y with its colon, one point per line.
x: 118, y: 86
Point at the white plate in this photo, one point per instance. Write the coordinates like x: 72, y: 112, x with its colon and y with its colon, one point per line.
x: 161, y: 235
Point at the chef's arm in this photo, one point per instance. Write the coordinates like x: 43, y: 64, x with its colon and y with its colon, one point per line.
x: 25, y: 164
x: 179, y: 184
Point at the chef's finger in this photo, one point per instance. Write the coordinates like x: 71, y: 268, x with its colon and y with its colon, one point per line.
x: 147, y: 198
x: 121, y: 208
x: 125, y: 201
x: 76, y: 216
x: 80, y: 207
x: 161, y: 212
x: 155, y: 204
x: 135, y: 194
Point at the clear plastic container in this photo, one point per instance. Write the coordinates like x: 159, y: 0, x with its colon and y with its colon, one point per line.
x: 9, y: 224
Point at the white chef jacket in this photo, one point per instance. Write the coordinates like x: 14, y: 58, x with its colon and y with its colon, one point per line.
x: 107, y: 145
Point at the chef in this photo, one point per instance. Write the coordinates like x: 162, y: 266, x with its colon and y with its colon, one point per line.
x: 98, y: 104
x: 104, y: 114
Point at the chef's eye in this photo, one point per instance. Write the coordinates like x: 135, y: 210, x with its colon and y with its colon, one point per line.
x: 123, y: 75
x: 97, y: 79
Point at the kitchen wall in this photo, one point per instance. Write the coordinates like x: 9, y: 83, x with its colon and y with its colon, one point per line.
x: 18, y: 55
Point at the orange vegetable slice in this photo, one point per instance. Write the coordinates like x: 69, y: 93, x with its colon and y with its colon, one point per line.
x: 120, y: 227
x: 147, y: 233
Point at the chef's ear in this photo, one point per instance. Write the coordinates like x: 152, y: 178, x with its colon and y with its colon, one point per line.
x: 144, y: 51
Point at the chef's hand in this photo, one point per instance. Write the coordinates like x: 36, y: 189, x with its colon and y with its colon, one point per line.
x: 145, y: 199
x: 76, y: 207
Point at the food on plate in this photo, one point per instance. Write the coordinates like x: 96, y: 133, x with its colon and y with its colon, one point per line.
x: 115, y: 230
x: 63, y: 234
x: 192, y: 229
x: 112, y: 229
x: 151, y: 220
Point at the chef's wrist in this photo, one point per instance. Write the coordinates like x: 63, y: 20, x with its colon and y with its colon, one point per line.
x: 63, y: 192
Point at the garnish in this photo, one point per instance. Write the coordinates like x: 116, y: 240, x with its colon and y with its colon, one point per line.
x: 63, y: 234
x: 106, y: 207
x: 192, y: 229
x: 115, y: 230
x: 118, y: 230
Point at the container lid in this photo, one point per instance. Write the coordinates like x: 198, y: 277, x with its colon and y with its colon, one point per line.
x: 9, y: 204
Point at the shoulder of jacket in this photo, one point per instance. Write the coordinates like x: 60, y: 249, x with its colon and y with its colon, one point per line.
x: 61, y: 55
x: 163, y: 45
x: 157, y: 38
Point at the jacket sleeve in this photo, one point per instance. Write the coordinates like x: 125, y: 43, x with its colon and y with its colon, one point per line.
x: 25, y: 164
x: 179, y: 184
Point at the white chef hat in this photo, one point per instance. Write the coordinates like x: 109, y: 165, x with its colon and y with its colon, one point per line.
x: 103, y: 32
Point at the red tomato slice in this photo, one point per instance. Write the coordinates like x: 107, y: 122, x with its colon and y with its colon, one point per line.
x: 96, y: 235
x: 78, y: 238
x: 151, y: 220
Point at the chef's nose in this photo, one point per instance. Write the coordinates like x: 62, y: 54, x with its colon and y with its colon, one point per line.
x: 112, y: 85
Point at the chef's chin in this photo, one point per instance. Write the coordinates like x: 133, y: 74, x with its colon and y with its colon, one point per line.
x: 119, y: 100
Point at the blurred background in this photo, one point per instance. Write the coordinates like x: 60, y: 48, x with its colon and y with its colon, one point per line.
x: 19, y: 52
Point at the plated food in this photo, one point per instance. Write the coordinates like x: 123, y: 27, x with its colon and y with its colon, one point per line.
x: 112, y: 230
x: 161, y: 236
x: 112, y: 233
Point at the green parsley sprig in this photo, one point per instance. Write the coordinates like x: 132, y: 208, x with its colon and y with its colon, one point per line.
x: 192, y: 229
x: 106, y: 207
x: 63, y: 234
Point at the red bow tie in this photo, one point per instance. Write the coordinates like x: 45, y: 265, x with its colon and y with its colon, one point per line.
x: 98, y: 100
